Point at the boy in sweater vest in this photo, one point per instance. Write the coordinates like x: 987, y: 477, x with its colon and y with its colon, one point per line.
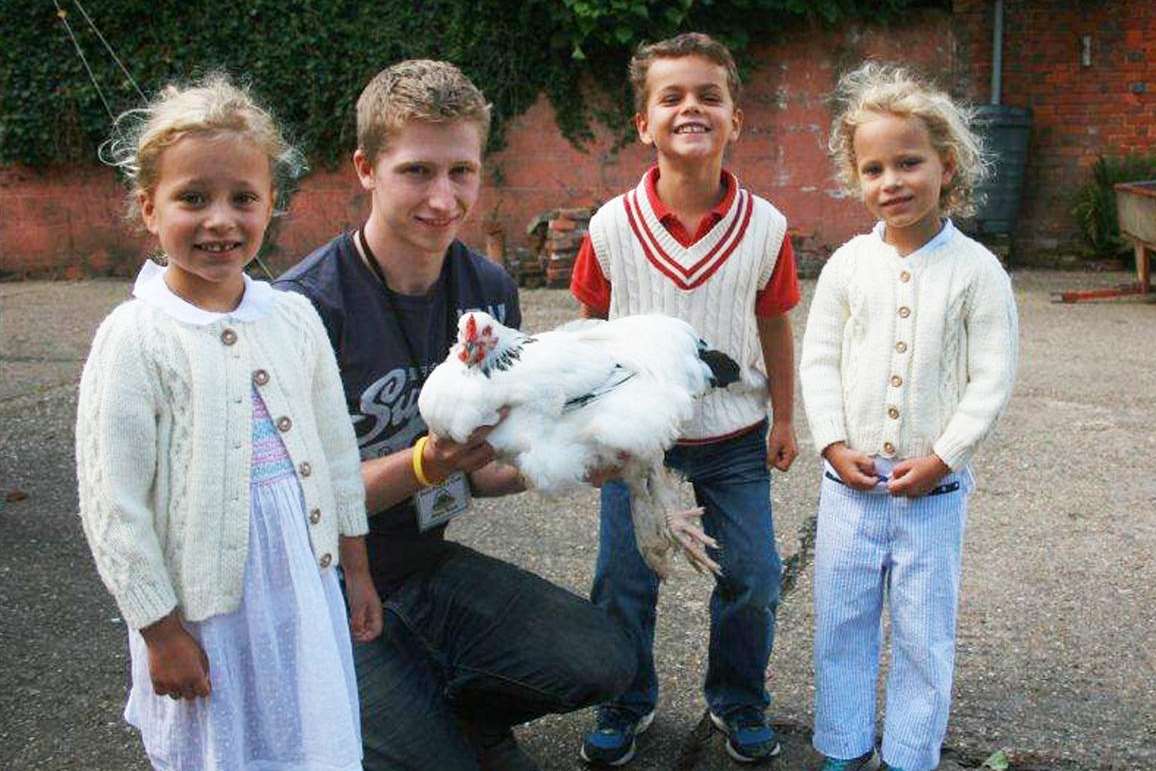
x: 691, y: 243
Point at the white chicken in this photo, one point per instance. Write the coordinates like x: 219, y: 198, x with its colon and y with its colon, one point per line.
x: 588, y: 395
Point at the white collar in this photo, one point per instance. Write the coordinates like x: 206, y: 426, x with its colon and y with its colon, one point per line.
x: 150, y: 287
x: 938, y: 241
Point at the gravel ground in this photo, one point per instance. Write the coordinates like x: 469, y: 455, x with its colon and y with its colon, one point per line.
x: 1056, y: 660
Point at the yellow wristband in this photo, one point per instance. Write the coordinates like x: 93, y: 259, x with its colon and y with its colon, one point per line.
x: 418, y: 470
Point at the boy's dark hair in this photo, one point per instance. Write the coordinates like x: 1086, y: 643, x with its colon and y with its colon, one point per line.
x: 686, y: 44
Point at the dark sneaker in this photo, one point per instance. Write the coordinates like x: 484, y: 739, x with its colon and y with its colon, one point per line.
x: 612, y: 742
x: 750, y: 737
x: 867, y: 762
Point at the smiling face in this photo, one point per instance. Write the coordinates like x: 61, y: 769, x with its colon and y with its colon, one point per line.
x: 690, y: 114
x: 209, y: 209
x: 901, y: 175
x: 424, y: 184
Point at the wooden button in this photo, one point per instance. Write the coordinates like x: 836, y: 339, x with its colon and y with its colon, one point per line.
x: 888, y: 448
x: 326, y: 558
x: 904, y: 277
x: 901, y: 347
x: 315, y: 516
x: 904, y: 311
x: 896, y: 381
x: 305, y: 469
x: 260, y: 377
x: 893, y: 413
x: 284, y: 423
x: 228, y: 336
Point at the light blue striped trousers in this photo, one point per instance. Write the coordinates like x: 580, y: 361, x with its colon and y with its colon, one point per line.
x: 870, y: 544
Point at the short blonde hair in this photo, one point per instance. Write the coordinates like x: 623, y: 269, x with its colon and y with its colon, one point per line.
x: 416, y: 90
x: 213, y: 105
x: 686, y: 44
x: 875, y: 88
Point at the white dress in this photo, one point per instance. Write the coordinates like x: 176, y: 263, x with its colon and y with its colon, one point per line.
x: 284, y: 692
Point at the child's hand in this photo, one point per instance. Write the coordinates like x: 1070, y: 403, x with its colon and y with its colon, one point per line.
x: 782, y: 447
x: 178, y: 665
x: 365, y: 614
x: 917, y: 476
x: 856, y: 469
x: 596, y: 477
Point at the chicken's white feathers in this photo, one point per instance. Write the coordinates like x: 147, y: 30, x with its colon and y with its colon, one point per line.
x: 578, y: 396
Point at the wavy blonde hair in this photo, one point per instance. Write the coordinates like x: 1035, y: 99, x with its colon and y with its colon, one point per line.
x: 213, y: 105
x: 875, y: 88
x: 417, y: 90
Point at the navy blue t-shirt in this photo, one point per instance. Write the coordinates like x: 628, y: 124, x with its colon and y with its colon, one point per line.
x: 380, y: 382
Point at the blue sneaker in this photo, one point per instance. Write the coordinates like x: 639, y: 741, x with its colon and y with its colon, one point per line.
x: 867, y: 762
x: 750, y: 737
x: 612, y: 742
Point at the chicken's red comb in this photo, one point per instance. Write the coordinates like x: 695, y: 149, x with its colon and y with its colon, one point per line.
x: 471, y: 328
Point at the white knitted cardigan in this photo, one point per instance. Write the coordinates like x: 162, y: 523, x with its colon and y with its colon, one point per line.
x: 905, y: 356
x: 710, y: 284
x: 164, y: 442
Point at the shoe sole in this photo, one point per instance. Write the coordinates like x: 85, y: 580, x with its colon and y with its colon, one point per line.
x: 874, y: 763
x: 639, y: 729
x: 735, y: 754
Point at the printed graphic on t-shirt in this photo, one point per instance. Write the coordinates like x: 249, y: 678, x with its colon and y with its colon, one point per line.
x: 372, y: 333
x: 385, y: 417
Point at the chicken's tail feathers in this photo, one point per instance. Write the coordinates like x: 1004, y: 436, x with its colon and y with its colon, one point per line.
x: 723, y: 369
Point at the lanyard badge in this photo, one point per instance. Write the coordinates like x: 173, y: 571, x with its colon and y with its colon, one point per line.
x: 440, y: 503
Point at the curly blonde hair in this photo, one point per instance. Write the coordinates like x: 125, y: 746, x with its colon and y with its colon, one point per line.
x: 875, y: 88
x: 421, y: 90
x: 213, y: 105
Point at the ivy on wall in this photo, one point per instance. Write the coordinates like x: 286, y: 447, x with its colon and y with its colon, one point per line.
x: 309, y: 59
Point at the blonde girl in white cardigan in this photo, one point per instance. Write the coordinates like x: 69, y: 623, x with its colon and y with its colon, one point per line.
x: 908, y: 360
x: 218, y: 473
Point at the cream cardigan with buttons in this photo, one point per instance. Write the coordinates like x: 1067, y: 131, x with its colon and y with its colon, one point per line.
x: 163, y: 443
x: 905, y: 356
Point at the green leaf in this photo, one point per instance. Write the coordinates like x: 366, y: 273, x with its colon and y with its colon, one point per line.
x: 997, y: 761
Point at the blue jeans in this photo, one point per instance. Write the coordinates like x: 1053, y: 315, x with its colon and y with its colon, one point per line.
x: 476, y: 640
x: 731, y: 480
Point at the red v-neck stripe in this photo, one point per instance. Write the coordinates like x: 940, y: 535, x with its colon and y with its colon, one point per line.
x: 668, y: 265
x: 646, y: 250
x: 743, y: 200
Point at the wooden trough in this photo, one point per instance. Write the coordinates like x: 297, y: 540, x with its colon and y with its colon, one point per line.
x: 1136, y: 208
x: 1136, y: 212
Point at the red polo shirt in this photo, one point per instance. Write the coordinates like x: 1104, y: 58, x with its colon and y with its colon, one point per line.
x: 781, y: 293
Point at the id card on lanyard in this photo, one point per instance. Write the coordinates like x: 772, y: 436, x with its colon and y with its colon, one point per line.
x: 438, y: 504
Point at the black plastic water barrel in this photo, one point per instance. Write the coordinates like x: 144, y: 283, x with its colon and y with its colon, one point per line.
x: 1006, y: 131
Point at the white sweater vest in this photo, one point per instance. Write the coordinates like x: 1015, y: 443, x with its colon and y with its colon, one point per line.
x: 711, y: 284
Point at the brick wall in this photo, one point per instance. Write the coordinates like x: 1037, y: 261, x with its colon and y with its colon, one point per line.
x: 1078, y: 111
x: 66, y: 222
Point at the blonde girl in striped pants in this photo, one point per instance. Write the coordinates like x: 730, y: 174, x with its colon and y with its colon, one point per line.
x: 908, y: 360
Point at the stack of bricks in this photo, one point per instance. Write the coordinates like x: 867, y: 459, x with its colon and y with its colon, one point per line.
x: 563, y: 237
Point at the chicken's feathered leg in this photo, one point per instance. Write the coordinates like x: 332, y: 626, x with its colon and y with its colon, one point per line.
x: 660, y: 526
x: 682, y: 525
